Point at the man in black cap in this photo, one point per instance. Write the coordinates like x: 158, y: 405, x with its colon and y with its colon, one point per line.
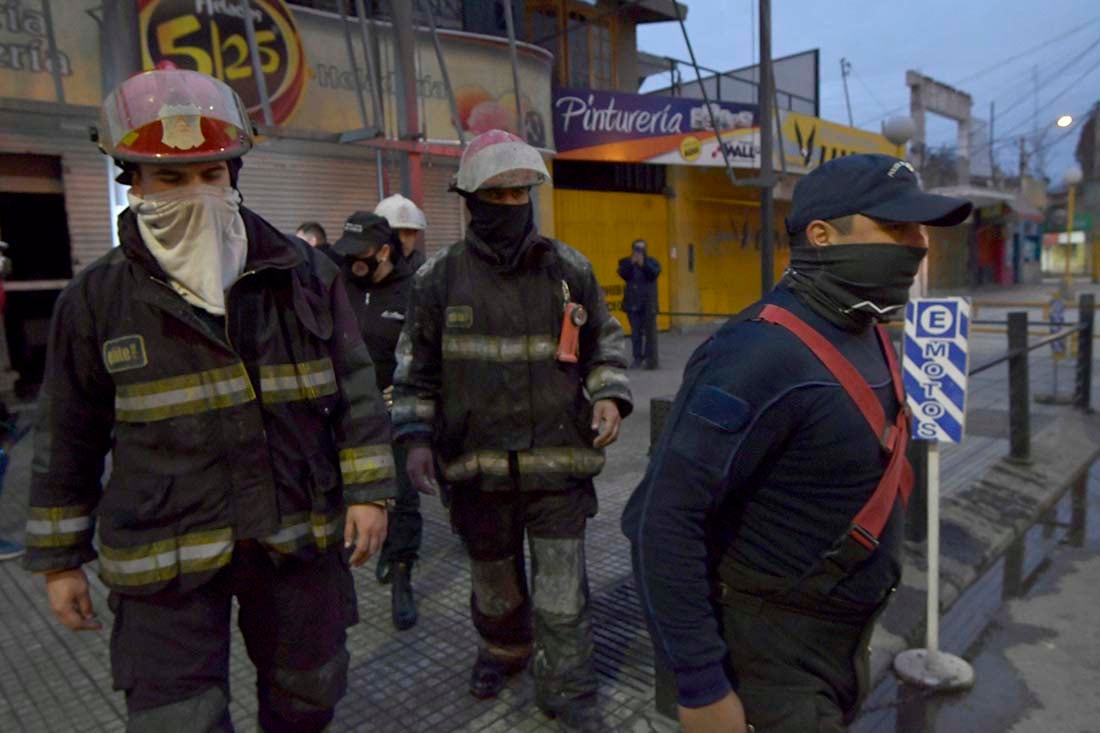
x: 379, y: 285
x: 778, y: 486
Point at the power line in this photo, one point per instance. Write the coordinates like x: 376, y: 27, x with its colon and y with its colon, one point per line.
x: 1070, y: 87
x: 867, y: 88
x: 1000, y: 64
x: 1069, y: 65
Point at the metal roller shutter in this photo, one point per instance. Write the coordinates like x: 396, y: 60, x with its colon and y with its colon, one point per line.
x: 442, y: 207
x: 84, y: 175
x: 288, y: 188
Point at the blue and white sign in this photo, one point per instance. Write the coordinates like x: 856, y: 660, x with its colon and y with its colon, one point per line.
x: 935, y: 364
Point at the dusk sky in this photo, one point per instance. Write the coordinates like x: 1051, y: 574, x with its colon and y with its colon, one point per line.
x: 991, y: 50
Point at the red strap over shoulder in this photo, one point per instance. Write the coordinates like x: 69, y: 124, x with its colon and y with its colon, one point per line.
x: 897, y: 479
x: 848, y: 376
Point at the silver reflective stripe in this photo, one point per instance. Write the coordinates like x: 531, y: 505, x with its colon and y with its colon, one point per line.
x: 478, y: 463
x: 322, y: 532
x: 166, y: 559
x: 498, y: 348
x: 412, y: 409
x: 366, y: 464
x: 45, y: 527
x: 287, y: 535
x: 185, y: 394
x: 603, y: 377
x: 574, y: 461
x: 300, y: 381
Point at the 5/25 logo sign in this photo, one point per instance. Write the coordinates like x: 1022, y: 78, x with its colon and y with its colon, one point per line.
x: 209, y: 36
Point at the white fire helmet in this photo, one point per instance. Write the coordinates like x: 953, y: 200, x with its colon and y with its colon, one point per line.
x: 499, y: 159
x: 401, y: 213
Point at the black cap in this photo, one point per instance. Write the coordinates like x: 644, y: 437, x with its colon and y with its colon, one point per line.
x: 363, y: 231
x: 879, y: 186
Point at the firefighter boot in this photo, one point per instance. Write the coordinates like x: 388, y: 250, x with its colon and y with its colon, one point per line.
x: 402, y: 601
x: 489, y: 673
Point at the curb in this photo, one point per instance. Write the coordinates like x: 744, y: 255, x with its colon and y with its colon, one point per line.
x: 979, y: 524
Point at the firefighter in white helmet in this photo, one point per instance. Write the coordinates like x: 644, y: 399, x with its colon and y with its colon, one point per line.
x: 220, y: 364
x: 511, y: 373
x: 407, y: 220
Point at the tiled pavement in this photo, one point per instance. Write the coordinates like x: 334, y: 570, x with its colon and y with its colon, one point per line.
x: 55, y: 680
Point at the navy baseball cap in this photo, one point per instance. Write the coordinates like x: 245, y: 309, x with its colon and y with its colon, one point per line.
x: 363, y: 231
x: 879, y: 186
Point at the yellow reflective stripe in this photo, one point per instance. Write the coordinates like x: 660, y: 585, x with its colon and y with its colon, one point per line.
x: 303, y: 381
x: 498, y: 348
x: 163, y: 560
x: 412, y: 409
x: 299, y: 530
x: 603, y: 377
x: 477, y: 463
x: 580, y: 461
x: 186, y: 394
x: 58, y: 526
x: 575, y: 461
x: 366, y: 464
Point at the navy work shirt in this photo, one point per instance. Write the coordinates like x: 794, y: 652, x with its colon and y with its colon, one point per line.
x: 765, y: 459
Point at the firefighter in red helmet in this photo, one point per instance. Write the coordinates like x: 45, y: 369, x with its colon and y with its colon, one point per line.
x: 220, y: 364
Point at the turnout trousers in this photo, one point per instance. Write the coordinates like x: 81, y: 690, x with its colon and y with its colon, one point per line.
x: 170, y: 651
x: 492, y: 525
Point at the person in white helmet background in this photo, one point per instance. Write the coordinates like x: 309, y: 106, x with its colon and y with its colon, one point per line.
x: 407, y: 220
x: 511, y: 373
x: 220, y: 364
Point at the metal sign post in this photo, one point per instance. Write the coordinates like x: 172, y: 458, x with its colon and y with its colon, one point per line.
x: 935, y: 359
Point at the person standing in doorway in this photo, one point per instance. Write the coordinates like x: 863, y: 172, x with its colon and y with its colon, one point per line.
x: 640, y: 272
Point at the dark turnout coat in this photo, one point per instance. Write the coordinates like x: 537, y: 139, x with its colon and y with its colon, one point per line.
x: 477, y: 365
x: 262, y: 428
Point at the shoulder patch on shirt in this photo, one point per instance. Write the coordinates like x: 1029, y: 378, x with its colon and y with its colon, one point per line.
x: 719, y: 408
x: 124, y: 353
x: 460, y: 316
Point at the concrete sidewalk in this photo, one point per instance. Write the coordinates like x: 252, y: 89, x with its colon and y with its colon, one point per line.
x: 54, y: 680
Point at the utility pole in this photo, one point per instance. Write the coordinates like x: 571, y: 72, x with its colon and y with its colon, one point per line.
x: 118, y: 43
x: 767, y: 182
x: 992, y: 162
x: 408, y: 121
x: 1023, y: 161
x: 845, y: 69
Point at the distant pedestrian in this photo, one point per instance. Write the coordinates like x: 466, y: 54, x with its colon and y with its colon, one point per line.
x: 408, y: 221
x: 314, y: 235
x: 640, y: 271
x: 767, y: 531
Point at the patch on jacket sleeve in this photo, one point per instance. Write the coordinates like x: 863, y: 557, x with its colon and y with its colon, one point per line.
x: 460, y: 316
x: 125, y: 353
x: 720, y: 409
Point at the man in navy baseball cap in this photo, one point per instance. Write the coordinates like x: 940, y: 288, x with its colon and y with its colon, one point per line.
x: 858, y: 235
x: 877, y: 186
x: 781, y: 479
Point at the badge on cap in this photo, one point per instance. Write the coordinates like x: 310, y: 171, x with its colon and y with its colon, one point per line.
x: 181, y: 126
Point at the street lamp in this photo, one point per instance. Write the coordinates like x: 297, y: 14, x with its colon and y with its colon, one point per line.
x: 1072, y: 177
x: 1064, y: 121
x: 899, y: 130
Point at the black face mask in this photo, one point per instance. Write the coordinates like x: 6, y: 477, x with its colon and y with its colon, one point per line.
x: 503, y: 227
x: 372, y: 267
x: 853, y: 285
